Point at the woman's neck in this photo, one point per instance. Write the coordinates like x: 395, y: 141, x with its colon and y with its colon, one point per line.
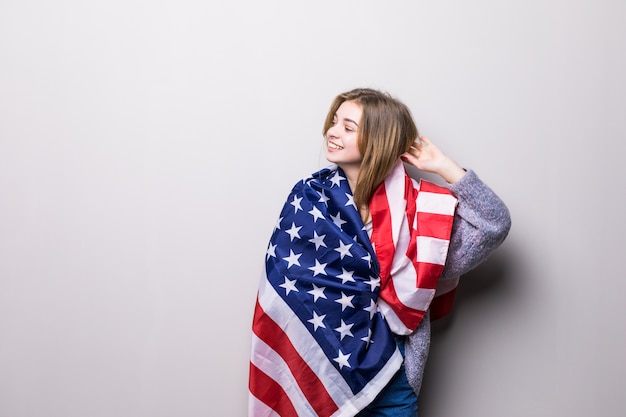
x: 352, y: 173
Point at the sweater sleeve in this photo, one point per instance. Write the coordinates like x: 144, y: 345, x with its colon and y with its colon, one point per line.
x: 481, y: 223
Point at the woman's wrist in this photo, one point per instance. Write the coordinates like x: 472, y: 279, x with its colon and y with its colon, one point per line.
x: 451, y: 172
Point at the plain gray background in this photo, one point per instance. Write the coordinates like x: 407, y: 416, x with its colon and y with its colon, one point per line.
x: 146, y: 148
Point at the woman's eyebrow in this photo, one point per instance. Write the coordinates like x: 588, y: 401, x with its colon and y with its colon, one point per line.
x: 351, y: 121
x: 346, y: 119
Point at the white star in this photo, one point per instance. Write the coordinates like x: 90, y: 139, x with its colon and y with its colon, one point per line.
x: 368, y: 339
x: 342, y: 360
x: 318, y: 268
x: 346, y: 276
x: 371, y: 309
x: 316, y: 321
x: 278, y: 223
x: 293, y: 232
x: 368, y: 259
x: 323, y: 198
x: 337, y: 220
x: 350, y: 200
x: 292, y: 259
x: 289, y: 285
x: 336, y: 179
x: 317, y: 292
x: 318, y: 240
x: 344, y: 329
x: 344, y: 249
x: 374, y: 283
x: 296, y: 203
x: 345, y: 301
x: 316, y: 213
x: 271, y: 251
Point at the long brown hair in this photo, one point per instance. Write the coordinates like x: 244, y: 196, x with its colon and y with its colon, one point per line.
x: 386, y: 131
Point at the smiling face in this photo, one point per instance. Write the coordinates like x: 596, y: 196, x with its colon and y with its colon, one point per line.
x: 342, y: 137
x: 366, y: 133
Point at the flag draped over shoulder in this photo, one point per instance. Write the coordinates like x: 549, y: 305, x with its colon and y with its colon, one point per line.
x: 411, y: 236
x: 321, y: 345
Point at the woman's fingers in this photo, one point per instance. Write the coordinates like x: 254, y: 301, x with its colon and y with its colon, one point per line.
x: 425, y: 141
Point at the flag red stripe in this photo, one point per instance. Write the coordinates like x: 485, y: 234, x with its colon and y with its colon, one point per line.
x: 434, y: 225
x: 428, y: 275
x: 382, y: 231
x: 309, y: 383
x: 263, y: 387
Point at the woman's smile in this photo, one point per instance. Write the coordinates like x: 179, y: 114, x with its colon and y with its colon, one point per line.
x: 333, y: 145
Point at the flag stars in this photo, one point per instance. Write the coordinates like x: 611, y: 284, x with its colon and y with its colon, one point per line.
x: 318, y: 268
x: 373, y: 283
x: 318, y: 240
x: 293, y: 232
x: 292, y: 259
x: 345, y: 301
x: 350, y: 201
x: 346, y: 276
x: 277, y: 226
x: 317, y: 214
x: 336, y: 179
x: 289, y: 285
x: 296, y: 203
x: 337, y: 220
x: 317, y: 292
x: 317, y: 321
x: 368, y: 339
x: 344, y: 330
x: 271, y: 251
x: 342, y: 359
x: 344, y: 249
x: 371, y: 309
x: 323, y: 198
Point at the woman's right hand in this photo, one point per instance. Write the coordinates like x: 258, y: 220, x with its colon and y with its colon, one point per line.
x: 425, y: 156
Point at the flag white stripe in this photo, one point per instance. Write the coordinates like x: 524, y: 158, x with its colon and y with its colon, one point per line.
x: 258, y: 408
x: 432, y: 250
x: 436, y: 203
x: 394, y: 190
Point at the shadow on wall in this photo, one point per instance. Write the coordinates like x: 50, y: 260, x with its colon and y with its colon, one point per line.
x: 481, y: 291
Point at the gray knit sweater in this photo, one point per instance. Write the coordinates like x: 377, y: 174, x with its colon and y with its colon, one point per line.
x: 481, y: 223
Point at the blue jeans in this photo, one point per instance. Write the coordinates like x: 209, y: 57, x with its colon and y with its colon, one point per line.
x: 397, y: 399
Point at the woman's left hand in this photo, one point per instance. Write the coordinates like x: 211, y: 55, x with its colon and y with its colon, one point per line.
x: 425, y: 156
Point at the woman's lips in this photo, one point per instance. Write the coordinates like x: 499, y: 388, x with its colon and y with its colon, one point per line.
x: 334, y: 146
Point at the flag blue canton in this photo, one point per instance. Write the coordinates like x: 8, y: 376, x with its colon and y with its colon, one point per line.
x: 321, y: 262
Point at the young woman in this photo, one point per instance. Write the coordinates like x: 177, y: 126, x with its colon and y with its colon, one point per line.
x: 360, y: 256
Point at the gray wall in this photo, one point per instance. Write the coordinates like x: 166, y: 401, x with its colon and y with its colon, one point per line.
x: 146, y: 148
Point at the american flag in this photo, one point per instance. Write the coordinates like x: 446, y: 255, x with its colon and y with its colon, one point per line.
x: 321, y: 346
